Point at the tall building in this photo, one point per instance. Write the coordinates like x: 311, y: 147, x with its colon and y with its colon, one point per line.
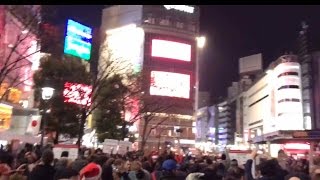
x: 225, y: 124
x: 274, y: 101
x: 315, y: 105
x: 160, y: 42
x: 19, y: 57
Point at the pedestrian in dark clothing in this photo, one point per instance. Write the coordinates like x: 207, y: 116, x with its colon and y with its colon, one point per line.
x: 168, y: 172
x: 107, y: 170
x: 44, y: 170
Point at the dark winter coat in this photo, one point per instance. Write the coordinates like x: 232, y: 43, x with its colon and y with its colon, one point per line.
x: 42, y: 172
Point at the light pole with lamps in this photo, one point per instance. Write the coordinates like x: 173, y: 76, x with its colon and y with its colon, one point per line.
x: 47, y: 93
x: 201, y: 42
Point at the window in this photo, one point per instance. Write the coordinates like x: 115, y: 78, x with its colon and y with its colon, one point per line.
x: 289, y: 87
x: 289, y: 100
x: 164, y: 22
x: 180, y: 25
x: 288, y: 74
x: 151, y: 20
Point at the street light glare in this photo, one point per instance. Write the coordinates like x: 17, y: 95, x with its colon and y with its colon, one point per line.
x: 201, y: 41
x: 47, y: 93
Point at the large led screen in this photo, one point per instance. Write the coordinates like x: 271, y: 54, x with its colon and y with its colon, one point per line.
x: 171, y: 50
x: 77, y: 93
x: 170, y: 84
x: 78, y: 40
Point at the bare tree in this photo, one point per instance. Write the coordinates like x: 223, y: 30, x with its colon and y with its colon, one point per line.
x: 20, y: 46
x: 113, y: 74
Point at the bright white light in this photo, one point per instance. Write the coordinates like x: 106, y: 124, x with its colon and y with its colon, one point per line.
x: 126, y: 44
x: 185, y: 8
x: 47, y: 93
x: 269, y: 71
x: 10, y: 45
x: 201, y: 41
x: 170, y: 84
x: 171, y: 50
x: 25, y: 31
x: 299, y: 146
x: 123, y: 28
x: 133, y: 129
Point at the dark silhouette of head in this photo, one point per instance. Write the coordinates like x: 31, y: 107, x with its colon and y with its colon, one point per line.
x: 223, y: 157
x: 47, y: 157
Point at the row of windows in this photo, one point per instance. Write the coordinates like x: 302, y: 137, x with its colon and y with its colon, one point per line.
x: 289, y: 100
x: 167, y: 22
x: 288, y: 74
x: 289, y: 87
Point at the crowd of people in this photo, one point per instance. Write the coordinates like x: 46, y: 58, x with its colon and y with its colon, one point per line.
x: 34, y: 163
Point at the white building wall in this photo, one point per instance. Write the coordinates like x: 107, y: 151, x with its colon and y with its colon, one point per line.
x: 274, y: 102
x: 288, y: 96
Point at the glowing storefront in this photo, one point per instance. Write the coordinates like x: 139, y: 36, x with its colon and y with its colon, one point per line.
x: 5, y: 116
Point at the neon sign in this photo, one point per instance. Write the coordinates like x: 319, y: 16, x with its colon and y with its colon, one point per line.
x: 184, y: 8
x: 77, y: 93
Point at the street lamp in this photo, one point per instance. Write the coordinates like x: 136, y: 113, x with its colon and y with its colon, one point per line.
x: 47, y: 93
x: 201, y: 42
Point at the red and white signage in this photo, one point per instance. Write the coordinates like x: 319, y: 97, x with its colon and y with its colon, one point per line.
x: 34, y: 125
x: 77, y: 93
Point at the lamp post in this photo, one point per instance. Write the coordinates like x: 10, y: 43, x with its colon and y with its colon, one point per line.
x: 201, y: 42
x: 47, y: 93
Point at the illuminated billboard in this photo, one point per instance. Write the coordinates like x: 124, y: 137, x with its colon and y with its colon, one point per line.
x: 77, y: 93
x: 170, y: 84
x: 126, y: 46
x: 171, y: 50
x: 78, y: 40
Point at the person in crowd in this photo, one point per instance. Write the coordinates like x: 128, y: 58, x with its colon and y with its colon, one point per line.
x: 315, y: 176
x: 137, y: 172
x: 235, y: 169
x: 168, y: 172
x: 63, y: 168
x: 93, y: 170
x: 5, y: 168
x: 30, y: 162
x: 107, y: 169
x: 44, y: 170
x: 119, y: 170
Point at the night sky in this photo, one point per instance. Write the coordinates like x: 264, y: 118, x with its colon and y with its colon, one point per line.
x: 233, y: 31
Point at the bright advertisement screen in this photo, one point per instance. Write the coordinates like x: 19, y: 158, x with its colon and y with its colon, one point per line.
x: 77, y: 93
x: 170, y: 84
x: 171, y: 50
x: 78, y: 40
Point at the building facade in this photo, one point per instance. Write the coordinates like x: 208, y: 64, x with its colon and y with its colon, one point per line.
x: 158, y: 41
x: 274, y: 101
x: 19, y: 58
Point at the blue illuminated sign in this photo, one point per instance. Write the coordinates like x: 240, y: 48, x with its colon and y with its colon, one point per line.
x: 78, y: 40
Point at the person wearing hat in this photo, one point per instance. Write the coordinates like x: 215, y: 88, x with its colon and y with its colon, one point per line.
x: 168, y: 172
